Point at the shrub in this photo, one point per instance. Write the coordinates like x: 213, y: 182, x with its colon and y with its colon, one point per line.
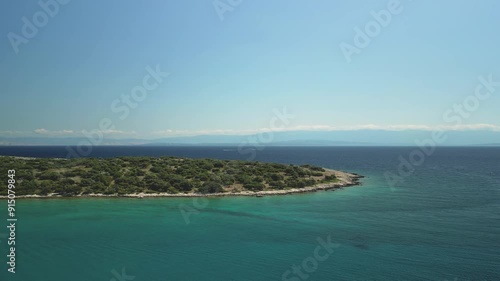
x: 70, y: 173
x: 277, y: 184
x: 172, y: 190
x: 211, y: 187
x: 68, y: 181
x: 53, y: 176
x: 276, y: 177
x: 227, y: 179
x: 184, y: 185
x: 314, y: 168
x: 330, y: 178
x: 254, y: 186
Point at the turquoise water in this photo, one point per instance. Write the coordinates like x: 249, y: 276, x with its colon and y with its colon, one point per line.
x: 441, y: 223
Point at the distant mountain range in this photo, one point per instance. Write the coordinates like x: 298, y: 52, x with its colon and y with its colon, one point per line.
x: 289, y: 138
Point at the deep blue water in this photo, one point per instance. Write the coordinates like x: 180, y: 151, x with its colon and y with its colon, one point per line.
x: 442, y: 222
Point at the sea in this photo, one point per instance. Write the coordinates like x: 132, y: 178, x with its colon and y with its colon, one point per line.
x: 420, y: 214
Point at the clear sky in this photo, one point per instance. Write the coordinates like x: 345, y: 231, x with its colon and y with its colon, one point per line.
x: 229, y: 70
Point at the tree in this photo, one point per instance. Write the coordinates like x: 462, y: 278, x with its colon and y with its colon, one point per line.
x: 277, y: 184
x: 184, y: 185
x: 53, y: 176
x: 331, y: 178
x: 254, y: 186
x: 211, y: 187
x: 276, y: 177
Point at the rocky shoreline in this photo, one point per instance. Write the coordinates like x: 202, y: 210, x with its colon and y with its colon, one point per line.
x: 345, y: 180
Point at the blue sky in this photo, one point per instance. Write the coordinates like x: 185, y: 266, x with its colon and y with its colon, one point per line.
x: 230, y: 71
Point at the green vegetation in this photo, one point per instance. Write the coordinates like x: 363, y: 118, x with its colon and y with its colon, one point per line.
x: 127, y: 175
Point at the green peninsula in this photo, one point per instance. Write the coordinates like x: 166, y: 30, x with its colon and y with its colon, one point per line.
x: 165, y: 176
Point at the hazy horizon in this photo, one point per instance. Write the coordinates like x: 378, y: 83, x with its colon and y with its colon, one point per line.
x: 192, y: 69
